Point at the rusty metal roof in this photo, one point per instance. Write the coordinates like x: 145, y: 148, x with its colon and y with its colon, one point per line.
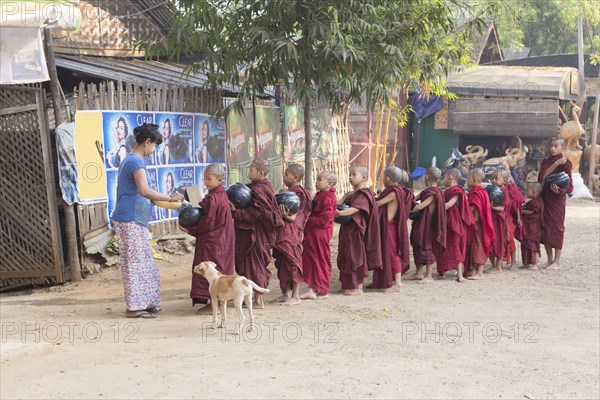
x: 130, y: 70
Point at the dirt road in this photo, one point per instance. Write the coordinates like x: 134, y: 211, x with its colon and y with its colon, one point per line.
x: 525, y: 334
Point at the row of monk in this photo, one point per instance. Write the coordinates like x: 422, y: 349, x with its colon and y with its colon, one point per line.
x: 450, y: 230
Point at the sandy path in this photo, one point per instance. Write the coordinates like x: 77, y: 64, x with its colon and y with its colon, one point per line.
x: 512, y: 335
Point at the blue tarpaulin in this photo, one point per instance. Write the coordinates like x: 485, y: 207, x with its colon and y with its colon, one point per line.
x: 424, y: 105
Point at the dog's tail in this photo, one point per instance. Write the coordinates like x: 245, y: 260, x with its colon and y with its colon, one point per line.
x: 255, y: 286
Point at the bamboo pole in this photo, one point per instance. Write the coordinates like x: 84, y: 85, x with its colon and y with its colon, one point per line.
x: 594, y: 140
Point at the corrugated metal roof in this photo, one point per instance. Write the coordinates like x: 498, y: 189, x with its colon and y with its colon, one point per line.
x: 130, y: 70
x: 554, y: 60
x: 502, y: 81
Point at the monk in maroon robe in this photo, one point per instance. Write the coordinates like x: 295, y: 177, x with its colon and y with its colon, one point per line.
x: 316, y: 253
x: 530, y: 237
x: 513, y: 217
x: 288, y: 246
x: 404, y: 239
x: 555, y: 202
x: 359, y: 240
x: 498, y: 249
x: 215, y: 237
x: 256, y: 230
x: 392, y: 214
x: 480, y: 236
x: 459, y: 218
x: 428, y: 233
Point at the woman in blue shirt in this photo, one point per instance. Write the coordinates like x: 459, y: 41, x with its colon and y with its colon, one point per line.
x: 130, y: 218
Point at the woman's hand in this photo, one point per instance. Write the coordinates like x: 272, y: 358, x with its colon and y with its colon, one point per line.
x: 177, y: 197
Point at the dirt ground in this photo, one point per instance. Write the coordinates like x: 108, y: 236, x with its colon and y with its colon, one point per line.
x: 521, y: 334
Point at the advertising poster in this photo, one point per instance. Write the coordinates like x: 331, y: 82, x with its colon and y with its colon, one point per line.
x: 240, y: 145
x: 268, y: 143
x: 199, y: 179
x: 157, y: 212
x: 293, y: 134
x: 112, y: 177
x: 173, y: 179
x: 119, y: 140
x: 323, y: 134
x: 89, y: 153
x: 209, y: 140
x: 178, y: 136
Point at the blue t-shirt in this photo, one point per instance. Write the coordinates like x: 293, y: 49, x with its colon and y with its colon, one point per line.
x: 131, y: 206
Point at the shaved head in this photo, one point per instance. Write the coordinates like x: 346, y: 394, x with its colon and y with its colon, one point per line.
x: 454, y: 174
x: 477, y: 174
x: 394, y: 174
x: 559, y: 141
x: 535, y: 186
x: 216, y: 170
x: 329, y: 176
x: 361, y: 170
x: 433, y: 174
x: 297, y: 170
x: 261, y: 165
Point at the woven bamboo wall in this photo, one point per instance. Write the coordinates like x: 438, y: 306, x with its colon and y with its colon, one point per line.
x: 30, y: 241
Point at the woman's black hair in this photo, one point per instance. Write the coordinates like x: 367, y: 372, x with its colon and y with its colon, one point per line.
x: 147, y: 131
x: 124, y: 124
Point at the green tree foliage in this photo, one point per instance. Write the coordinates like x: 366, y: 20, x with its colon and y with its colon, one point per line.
x: 547, y: 26
x: 321, y: 50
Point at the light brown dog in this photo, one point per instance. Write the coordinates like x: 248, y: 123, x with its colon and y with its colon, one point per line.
x: 228, y: 287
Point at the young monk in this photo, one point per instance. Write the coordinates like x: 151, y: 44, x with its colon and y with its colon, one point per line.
x: 404, y: 239
x: 555, y: 202
x: 214, y: 235
x: 428, y: 233
x: 480, y: 236
x: 316, y: 254
x: 513, y: 205
x: 256, y: 230
x: 359, y: 240
x: 459, y: 218
x: 499, y: 244
x: 390, y: 204
x: 533, y: 211
x: 288, y: 247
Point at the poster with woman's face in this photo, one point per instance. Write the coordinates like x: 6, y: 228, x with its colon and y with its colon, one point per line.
x: 156, y: 214
x: 209, y: 140
x: 173, y: 179
x: 177, y: 132
x: 199, y: 179
x: 119, y: 140
x: 112, y: 177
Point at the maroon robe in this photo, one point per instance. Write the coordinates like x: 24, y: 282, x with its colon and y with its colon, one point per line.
x: 288, y: 246
x: 359, y: 240
x: 404, y: 240
x: 255, y: 233
x: 458, y: 218
x: 554, y: 204
x: 481, y: 234
x: 215, y: 240
x: 500, y: 241
x: 428, y: 233
x: 391, y: 238
x: 316, y: 253
x: 531, y: 237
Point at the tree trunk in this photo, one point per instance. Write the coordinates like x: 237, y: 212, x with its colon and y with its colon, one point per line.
x: 70, y: 226
x: 308, y: 162
x: 594, y: 140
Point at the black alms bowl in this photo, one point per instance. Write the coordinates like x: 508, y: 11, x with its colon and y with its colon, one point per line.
x: 346, y: 219
x: 190, y: 216
x: 495, y: 194
x: 560, y: 179
x: 239, y: 195
x: 290, y: 200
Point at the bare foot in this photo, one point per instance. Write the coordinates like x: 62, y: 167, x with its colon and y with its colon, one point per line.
x: 494, y: 270
x: 533, y: 268
x: 353, y: 292
x: 393, y: 289
x: 281, y: 299
x: 292, y: 301
x: 206, y: 310
x: 475, y: 277
x: 553, y: 266
x: 257, y: 306
x: 525, y: 266
x: 460, y: 278
x: 415, y: 277
x: 549, y: 263
x: 426, y: 280
x: 322, y: 296
x: 310, y: 295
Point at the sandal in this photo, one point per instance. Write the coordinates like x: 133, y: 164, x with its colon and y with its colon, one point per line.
x: 153, y: 310
x: 139, y: 314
